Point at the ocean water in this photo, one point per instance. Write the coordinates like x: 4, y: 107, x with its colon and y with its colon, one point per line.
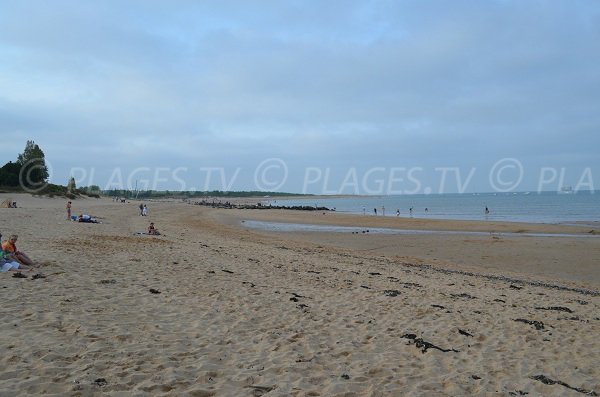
x: 545, y: 207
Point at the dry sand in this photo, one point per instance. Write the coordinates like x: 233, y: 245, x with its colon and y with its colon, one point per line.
x: 247, y: 313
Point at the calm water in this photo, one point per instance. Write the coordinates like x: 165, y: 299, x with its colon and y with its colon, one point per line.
x: 304, y: 227
x: 546, y: 207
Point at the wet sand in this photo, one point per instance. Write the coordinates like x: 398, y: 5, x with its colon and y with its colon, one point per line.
x: 570, y: 259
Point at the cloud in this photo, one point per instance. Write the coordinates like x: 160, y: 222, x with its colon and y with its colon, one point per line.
x: 431, y: 83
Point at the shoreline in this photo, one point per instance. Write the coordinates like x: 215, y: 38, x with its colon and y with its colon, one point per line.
x: 507, y: 250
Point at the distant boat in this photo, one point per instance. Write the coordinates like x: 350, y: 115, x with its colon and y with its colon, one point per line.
x: 566, y: 190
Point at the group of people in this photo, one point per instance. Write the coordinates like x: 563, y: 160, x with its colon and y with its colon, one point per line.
x: 144, y: 212
x: 410, y: 211
x: 11, y: 259
x: 81, y: 217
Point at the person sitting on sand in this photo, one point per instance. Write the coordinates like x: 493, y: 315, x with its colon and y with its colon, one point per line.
x: 10, y: 247
x: 86, y: 218
x: 8, y: 263
x: 152, y: 230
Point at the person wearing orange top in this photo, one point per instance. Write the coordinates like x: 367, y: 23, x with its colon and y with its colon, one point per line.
x: 10, y: 247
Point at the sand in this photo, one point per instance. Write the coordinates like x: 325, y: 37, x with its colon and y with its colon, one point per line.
x: 246, y: 313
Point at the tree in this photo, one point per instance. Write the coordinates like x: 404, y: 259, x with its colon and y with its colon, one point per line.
x: 33, y: 169
x: 9, y: 174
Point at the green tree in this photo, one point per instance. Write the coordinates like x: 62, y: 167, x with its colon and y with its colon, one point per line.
x: 9, y: 174
x: 33, y: 169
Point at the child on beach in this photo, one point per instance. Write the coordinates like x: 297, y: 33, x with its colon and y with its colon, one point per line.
x: 152, y: 230
x: 68, y: 210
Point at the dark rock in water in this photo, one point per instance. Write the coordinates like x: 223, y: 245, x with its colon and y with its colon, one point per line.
x: 424, y: 345
x: 465, y: 333
x: 154, y: 291
x: 391, y: 292
x: 557, y: 308
x: 547, y: 381
x: 537, y: 324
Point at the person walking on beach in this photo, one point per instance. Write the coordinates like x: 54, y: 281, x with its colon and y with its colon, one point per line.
x: 145, y: 211
x: 487, y: 210
x: 364, y: 210
x: 375, y: 211
x: 141, y: 209
x: 68, y: 210
x: 398, y: 212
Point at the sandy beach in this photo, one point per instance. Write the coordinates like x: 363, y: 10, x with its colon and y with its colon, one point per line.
x: 214, y: 308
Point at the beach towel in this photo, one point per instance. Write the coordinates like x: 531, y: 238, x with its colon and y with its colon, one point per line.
x: 9, y: 265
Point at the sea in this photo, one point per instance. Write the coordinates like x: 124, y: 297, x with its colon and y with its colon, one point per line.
x: 545, y: 207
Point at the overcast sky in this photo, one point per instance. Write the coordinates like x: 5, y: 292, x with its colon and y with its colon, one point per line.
x: 305, y: 96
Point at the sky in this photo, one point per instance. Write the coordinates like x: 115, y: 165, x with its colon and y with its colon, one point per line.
x: 321, y: 97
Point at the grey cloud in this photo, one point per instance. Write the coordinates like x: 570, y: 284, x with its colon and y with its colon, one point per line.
x: 343, y: 83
